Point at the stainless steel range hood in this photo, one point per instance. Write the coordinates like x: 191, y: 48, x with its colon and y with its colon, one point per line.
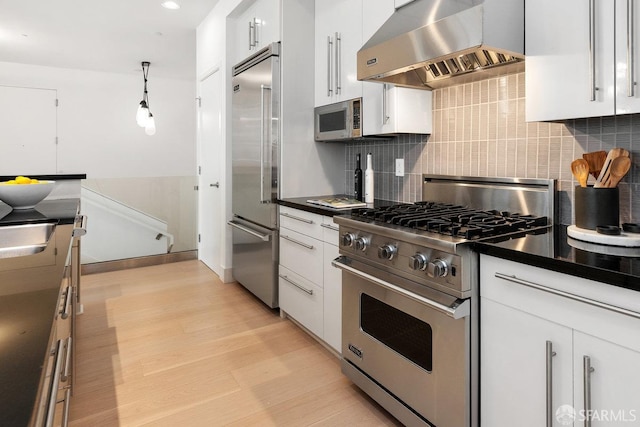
x: 430, y: 44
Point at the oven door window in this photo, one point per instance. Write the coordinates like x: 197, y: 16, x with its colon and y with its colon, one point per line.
x: 401, y: 332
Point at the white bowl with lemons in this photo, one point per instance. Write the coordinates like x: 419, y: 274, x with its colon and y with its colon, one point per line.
x: 24, y: 192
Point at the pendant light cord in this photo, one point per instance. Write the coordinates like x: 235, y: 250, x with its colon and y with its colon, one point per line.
x: 145, y: 74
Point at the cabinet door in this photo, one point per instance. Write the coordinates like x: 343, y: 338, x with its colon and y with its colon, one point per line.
x: 559, y: 81
x: 513, y: 354
x: 267, y: 23
x: 614, y: 382
x: 338, y: 36
x: 332, y: 299
x: 627, y: 57
x: 243, y: 34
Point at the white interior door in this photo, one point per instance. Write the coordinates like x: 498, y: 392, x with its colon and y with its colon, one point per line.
x: 27, y: 131
x: 210, y: 214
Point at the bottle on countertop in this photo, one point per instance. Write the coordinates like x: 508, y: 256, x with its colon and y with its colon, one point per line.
x: 358, y: 194
x: 368, y: 180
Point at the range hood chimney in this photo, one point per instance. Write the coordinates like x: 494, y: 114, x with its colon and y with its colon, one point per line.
x: 430, y: 44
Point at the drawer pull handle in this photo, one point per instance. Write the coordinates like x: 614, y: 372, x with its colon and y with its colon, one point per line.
x: 568, y: 295
x: 68, y: 296
x: 330, y: 227
x: 297, y: 218
x: 309, y: 291
x: 54, y: 386
x: 67, y: 361
x: 297, y: 242
x: 587, y: 369
x: 549, y: 353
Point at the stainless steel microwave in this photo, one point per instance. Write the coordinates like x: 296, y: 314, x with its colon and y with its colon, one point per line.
x: 339, y: 121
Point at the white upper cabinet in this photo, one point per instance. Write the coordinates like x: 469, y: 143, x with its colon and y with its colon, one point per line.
x: 255, y: 28
x: 581, y: 61
x: 338, y: 37
x: 388, y: 109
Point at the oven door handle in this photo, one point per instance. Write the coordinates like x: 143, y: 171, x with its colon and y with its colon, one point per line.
x: 457, y: 310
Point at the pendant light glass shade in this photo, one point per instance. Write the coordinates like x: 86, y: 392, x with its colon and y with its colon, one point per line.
x: 142, y: 116
x: 150, y: 127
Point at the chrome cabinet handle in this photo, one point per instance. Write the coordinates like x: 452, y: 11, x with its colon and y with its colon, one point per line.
x: 82, y: 230
x: 338, y: 64
x: 252, y: 32
x: 385, y: 117
x: 592, y: 49
x: 65, y: 413
x: 263, y: 237
x: 329, y: 66
x: 283, y: 277
x: 67, y: 361
x: 68, y: 294
x: 297, y: 218
x: 456, y: 311
x: 215, y: 184
x: 297, y: 242
x: 587, y: 369
x: 568, y: 295
x: 549, y: 363
x: 330, y: 227
x: 630, y: 50
x: 256, y: 40
x: 54, y: 386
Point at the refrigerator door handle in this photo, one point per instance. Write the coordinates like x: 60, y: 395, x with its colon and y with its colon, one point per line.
x: 263, y: 88
x: 263, y: 237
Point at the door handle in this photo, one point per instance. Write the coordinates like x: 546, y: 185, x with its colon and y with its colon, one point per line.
x: 263, y: 88
x: 630, y: 49
x: 215, y: 184
x: 329, y: 66
x: 549, y: 380
x: 592, y: 49
x: 338, y: 64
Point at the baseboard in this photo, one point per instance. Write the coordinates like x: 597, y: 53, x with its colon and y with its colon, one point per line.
x: 123, y: 264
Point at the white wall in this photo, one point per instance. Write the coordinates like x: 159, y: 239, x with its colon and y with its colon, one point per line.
x: 97, y: 131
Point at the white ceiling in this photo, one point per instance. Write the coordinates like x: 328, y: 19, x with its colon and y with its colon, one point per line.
x: 103, y: 35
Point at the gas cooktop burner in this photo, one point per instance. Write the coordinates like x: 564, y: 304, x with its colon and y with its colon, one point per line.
x: 451, y: 220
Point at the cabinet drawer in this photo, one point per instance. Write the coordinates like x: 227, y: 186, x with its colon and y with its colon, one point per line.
x: 330, y: 232
x: 301, y: 254
x: 301, y: 221
x: 302, y: 300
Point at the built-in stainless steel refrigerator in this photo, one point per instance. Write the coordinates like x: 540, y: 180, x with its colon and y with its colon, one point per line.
x: 255, y: 139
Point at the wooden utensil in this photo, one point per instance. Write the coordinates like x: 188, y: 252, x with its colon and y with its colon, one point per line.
x: 619, y: 168
x: 604, y: 173
x: 596, y: 160
x: 580, y: 169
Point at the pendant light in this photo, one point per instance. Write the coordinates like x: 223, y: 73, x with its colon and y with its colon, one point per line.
x: 144, y: 118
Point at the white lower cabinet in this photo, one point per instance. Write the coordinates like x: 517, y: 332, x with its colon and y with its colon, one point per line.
x: 310, y: 287
x: 540, y: 351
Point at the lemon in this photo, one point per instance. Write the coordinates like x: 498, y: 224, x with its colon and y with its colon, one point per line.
x: 23, y: 180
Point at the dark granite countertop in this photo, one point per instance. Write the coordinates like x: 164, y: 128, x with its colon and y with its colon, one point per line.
x: 554, y: 250
x: 29, y: 298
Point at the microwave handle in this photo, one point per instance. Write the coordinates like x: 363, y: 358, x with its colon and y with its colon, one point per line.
x: 263, y: 88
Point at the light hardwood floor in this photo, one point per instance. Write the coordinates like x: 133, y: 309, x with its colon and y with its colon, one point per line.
x: 171, y: 345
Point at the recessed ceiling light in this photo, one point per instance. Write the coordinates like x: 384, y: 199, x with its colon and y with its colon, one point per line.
x: 170, y: 5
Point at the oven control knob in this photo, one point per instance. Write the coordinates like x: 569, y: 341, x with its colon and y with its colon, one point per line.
x: 387, y: 251
x: 361, y: 243
x: 418, y: 262
x: 437, y: 268
x: 348, y: 238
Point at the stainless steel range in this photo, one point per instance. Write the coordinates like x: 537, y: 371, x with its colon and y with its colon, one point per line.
x: 410, y: 291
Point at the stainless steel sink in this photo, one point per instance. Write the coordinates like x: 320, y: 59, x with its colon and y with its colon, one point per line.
x: 28, y: 239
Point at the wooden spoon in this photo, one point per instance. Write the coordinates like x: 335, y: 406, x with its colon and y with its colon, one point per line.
x: 619, y: 168
x: 596, y: 160
x: 603, y: 178
x: 580, y: 169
